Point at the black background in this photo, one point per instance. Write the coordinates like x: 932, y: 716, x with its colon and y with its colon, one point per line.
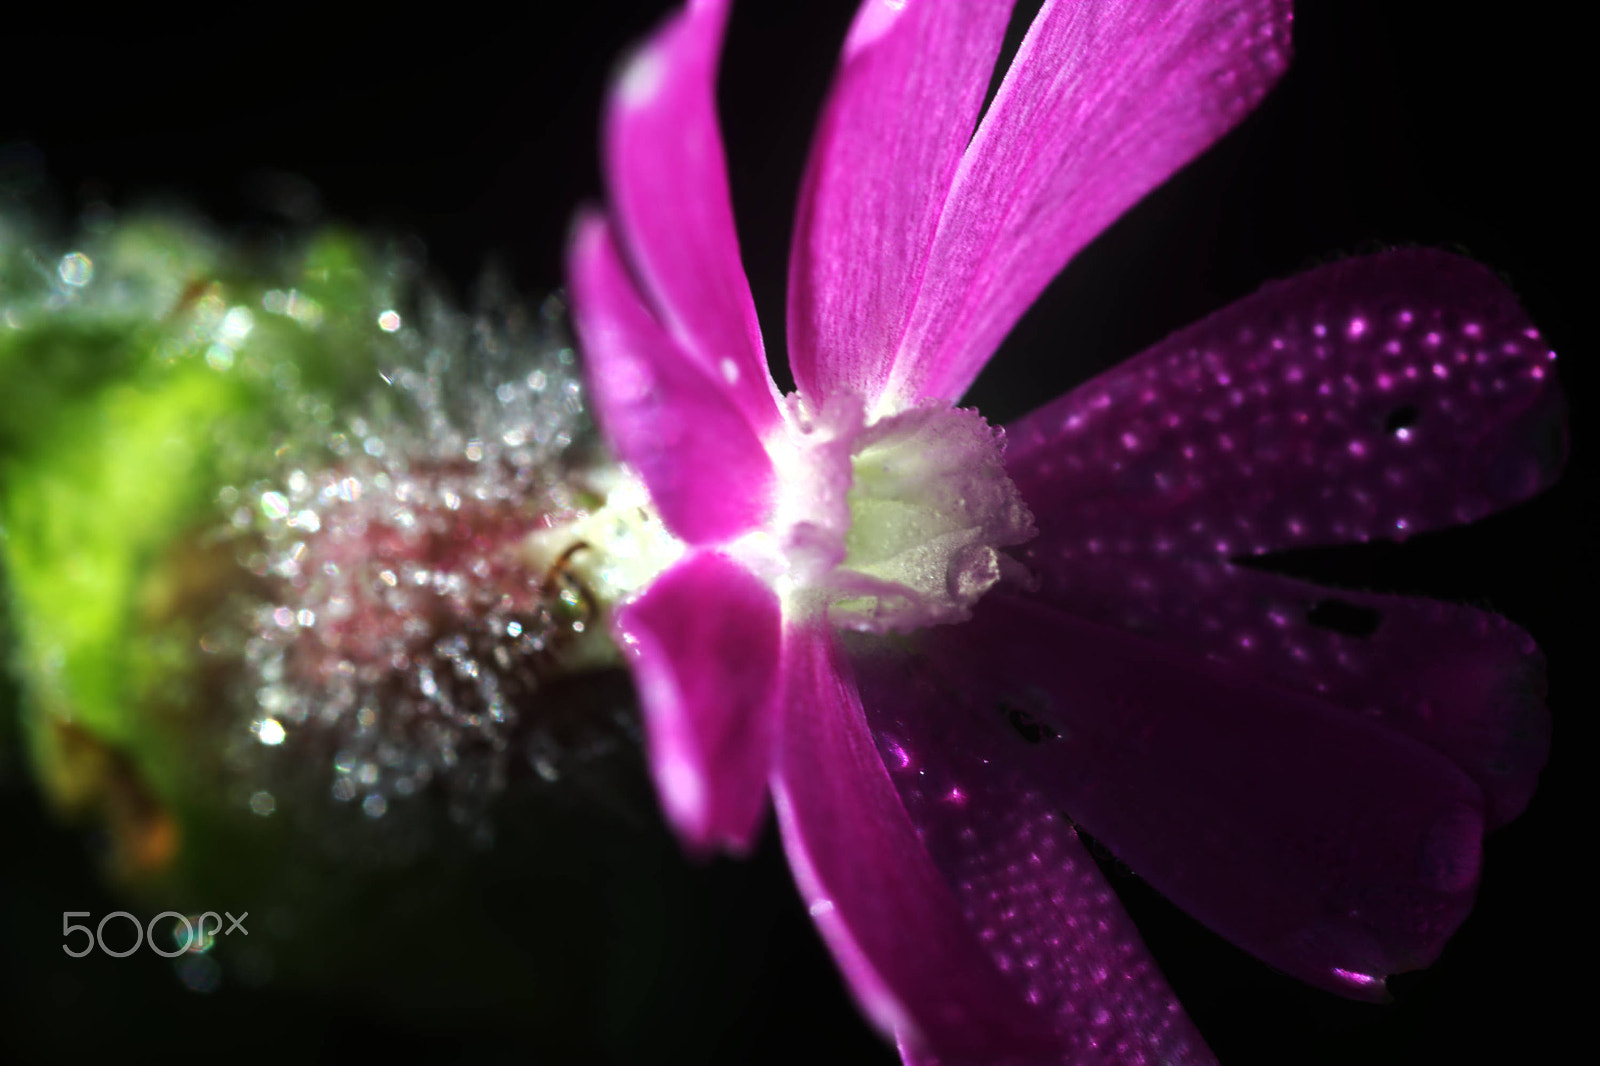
x: 1398, y: 123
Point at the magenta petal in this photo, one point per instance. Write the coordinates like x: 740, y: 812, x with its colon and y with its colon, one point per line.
x: 1026, y: 883
x: 668, y: 184
x: 1329, y: 846
x: 1467, y: 683
x: 897, y: 932
x: 706, y: 469
x: 1370, y: 398
x: 705, y: 644
x: 1104, y: 101
x: 903, y: 107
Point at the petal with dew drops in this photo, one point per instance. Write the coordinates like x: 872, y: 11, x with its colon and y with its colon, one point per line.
x: 702, y: 461
x: 1467, y: 683
x: 1330, y: 847
x: 897, y: 932
x: 1104, y: 101
x: 667, y: 182
x: 1029, y: 887
x: 1371, y: 398
x: 902, y: 108
x: 705, y: 645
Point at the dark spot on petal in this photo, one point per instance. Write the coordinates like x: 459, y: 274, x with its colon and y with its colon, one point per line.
x: 1027, y: 726
x: 1401, y: 418
x: 1342, y: 616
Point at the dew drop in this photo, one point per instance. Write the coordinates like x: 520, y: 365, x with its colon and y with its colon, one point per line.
x: 75, y: 269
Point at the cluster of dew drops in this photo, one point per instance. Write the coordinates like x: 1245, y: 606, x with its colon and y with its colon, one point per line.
x: 398, y: 635
x: 387, y: 635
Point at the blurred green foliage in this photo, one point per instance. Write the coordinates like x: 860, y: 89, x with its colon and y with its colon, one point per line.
x: 141, y: 370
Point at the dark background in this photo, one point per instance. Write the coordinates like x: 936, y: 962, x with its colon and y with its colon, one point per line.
x: 1398, y: 123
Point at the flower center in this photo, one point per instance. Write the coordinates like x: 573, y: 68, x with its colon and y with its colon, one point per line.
x: 889, y: 525
x: 896, y: 524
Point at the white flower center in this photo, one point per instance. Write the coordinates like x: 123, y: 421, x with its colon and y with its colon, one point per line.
x: 891, y: 525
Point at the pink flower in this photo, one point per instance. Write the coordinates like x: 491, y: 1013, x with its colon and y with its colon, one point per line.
x: 943, y: 650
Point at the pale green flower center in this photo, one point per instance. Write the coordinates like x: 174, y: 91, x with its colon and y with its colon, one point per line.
x: 897, y: 524
x: 892, y: 525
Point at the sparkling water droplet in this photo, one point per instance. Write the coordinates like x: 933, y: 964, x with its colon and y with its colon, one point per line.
x: 75, y: 269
